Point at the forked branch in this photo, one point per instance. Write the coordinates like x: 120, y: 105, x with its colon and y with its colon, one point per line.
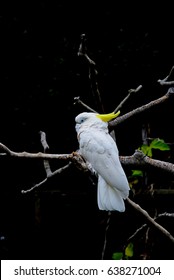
x: 143, y: 108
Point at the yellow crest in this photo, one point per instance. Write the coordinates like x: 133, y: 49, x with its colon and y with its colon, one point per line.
x: 108, y: 117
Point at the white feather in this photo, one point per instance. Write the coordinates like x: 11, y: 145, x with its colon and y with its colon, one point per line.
x: 109, y: 198
x: 99, y: 149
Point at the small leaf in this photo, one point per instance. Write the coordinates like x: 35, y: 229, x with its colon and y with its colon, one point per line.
x: 129, y: 250
x: 159, y: 144
x: 117, y: 256
x: 149, y: 152
x: 137, y: 173
x: 144, y: 149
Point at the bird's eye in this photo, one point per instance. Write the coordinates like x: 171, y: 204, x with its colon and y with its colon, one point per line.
x: 82, y: 120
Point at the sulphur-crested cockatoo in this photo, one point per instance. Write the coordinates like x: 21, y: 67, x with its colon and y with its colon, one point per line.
x: 99, y: 149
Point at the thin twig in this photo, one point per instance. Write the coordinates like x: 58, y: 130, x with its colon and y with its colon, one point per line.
x: 83, y: 50
x: 165, y: 80
x: 92, y: 72
x: 58, y: 171
x: 130, y: 92
x: 165, y: 214
x: 136, y: 232
x: 46, y: 148
x: 150, y: 219
x: 141, y: 109
x: 106, y: 231
x: 79, y: 101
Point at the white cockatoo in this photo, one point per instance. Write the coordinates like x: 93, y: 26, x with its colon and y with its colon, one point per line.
x: 99, y: 149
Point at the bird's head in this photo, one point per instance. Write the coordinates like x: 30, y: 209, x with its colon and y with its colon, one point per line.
x: 91, y: 118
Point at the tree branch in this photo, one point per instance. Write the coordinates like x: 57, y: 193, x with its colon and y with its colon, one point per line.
x: 144, y: 226
x: 141, y: 109
x: 150, y: 219
x: 165, y: 80
x: 79, y: 101
x: 45, y: 147
x: 138, y: 159
x: 92, y: 72
x: 130, y: 92
x: 38, y: 155
x: 52, y: 174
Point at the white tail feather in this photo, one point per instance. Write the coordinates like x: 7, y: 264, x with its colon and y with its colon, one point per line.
x: 109, y: 198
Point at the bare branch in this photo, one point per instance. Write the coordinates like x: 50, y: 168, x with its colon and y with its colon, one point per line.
x: 165, y: 214
x: 78, y: 100
x: 39, y: 155
x: 134, y: 90
x: 83, y: 50
x: 106, y: 231
x: 141, y: 109
x: 130, y: 92
x: 167, y: 83
x: 76, y: 159
x: 165, y: 80
x: 92, y: 72
x: 139, y: 159
x: 52, y: 174
x: 45, y: 147
x: 150, y: 219
x: 43, y: 141
x: 5, y: 149
x: 136, y: 232
x: 165, y: 166
x: 49, y: 173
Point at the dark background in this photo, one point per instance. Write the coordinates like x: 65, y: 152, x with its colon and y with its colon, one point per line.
x: 40, y: 76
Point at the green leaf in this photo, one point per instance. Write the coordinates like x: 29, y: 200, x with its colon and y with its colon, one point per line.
x: 149, y: 152
x: 144, y: 148
x: 159, y: 144
x: 137, y: 173
x: 129, y: 250
x: 117, y: 256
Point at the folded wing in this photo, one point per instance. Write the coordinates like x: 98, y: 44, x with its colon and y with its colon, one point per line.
x: 101, y: 151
